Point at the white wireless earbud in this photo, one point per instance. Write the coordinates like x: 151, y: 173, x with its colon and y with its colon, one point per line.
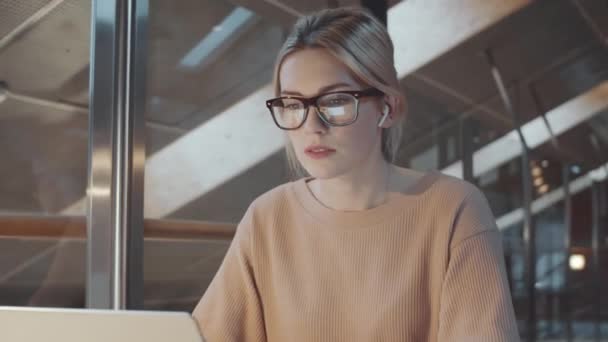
x: 386, y: 110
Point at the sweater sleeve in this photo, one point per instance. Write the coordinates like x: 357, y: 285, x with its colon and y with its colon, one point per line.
x: 230, y: 309
x: 476, y: 302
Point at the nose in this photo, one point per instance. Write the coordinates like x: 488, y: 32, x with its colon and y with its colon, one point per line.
x: 313, y: 123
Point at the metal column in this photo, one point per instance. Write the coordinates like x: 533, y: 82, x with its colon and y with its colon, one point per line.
x: 529, y: 234
x: 116, y: 155
x: 468, y: 129
x: 567, y: 249
x: 597, y: 206
x: 565, y: 172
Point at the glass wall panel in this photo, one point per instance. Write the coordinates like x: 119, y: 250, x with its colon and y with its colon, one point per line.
x: 568, y: 273
x: 211, y: 144
x: 44, y: 99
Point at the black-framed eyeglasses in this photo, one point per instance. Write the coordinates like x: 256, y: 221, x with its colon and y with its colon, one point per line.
x: 336, y: 108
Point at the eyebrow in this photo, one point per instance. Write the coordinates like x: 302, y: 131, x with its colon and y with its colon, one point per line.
x: 320, y: 91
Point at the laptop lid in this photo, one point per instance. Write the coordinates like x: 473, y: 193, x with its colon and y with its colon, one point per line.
x: 87, y: 325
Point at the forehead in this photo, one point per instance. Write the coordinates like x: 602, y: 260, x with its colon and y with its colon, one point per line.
x: 306, y: 71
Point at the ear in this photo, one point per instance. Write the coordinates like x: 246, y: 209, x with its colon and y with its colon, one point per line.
x: 388, y: 115
x: 384, y: 116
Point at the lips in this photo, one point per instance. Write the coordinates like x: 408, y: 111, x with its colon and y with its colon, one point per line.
x: 319, y: 148
x: 319, y: 151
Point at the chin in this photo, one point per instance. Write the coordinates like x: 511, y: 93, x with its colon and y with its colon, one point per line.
x: 324, y: 171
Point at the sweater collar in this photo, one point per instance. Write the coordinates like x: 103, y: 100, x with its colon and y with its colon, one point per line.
x: 395, y: 205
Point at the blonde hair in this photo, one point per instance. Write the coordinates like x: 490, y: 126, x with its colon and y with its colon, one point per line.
x: 362, y: 43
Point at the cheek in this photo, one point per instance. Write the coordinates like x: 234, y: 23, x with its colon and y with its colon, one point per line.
x: 367, y: 125
x: 359, y: 136
x: 294, y: 139
x: 290, y: 137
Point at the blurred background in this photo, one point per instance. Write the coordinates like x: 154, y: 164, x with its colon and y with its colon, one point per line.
x: 510, y: 95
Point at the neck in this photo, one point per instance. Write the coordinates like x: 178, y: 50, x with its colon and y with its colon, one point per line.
x: 355, y: 191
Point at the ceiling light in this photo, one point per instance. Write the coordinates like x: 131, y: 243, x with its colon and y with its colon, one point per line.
x: 577, y: 262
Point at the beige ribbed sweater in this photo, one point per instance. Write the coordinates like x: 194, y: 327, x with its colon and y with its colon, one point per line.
x: 425, y: 266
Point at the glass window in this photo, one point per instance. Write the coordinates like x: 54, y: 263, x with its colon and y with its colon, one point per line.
x: 212, y: 146
x: 44, y: 103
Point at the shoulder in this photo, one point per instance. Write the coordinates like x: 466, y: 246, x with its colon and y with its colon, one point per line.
x: 454, y: 188
x: 469, y: 211
x: 438, y: 186
x: 443, y: 192
x: 266, y: 218
x: 273, y: 199
x: 265, y: 207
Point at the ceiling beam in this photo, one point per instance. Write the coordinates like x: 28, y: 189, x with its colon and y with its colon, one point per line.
x: 482, y: 109
x: 271, y: 10
x: 29, y: 23
x: 422, y: 31
x: 561, y: 119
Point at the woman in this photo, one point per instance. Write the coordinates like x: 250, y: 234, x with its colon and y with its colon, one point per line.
x: 360, y: 250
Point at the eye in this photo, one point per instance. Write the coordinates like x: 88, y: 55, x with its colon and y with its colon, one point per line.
x: 293, y: 106
x: 338, y: 101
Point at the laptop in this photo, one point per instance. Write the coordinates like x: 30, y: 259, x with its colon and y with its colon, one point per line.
x: 19, y: 324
